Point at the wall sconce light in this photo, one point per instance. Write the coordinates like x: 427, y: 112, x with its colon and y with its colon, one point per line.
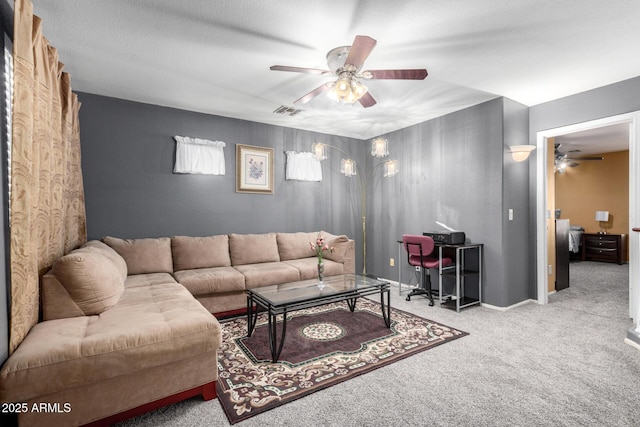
x: 520, y: 153
x: 319, y: 150
x: 348, y: 167
x: 379, y: 148
x: 602, y: 216
x: 390, y: 168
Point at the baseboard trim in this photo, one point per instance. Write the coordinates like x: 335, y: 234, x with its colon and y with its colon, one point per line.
x: 489, y: 306
x: 495, y: 307
x: 633, y: 338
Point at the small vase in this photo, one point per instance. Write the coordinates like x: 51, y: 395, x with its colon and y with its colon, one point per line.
x: 320, y: 272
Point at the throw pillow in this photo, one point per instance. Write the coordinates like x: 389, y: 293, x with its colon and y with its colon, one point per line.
x: 339, y: 243
x: 94, y: 281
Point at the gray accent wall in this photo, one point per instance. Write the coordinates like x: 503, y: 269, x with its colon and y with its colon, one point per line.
x: 606, y: 101
x: 516, y: 252
x: 454, y: 169
x: 128, y: 153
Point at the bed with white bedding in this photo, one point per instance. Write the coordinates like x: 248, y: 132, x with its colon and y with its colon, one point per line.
x: 575, y: 238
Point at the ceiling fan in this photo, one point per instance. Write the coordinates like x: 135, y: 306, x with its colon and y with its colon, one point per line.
x: 564, y: 159
x: 345, y: 62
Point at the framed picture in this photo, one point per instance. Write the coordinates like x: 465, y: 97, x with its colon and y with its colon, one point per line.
x: 254, y: 169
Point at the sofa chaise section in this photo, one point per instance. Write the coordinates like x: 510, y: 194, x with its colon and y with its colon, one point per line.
x: 104, y: 356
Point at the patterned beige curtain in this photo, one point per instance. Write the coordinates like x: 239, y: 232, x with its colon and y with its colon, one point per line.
x: 47, y: 214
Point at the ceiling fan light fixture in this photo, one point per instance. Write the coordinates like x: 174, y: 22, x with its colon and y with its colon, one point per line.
x: 561, y: 167
x: 358, y: 89
x: 343, y: 88
x: 346, y: 90
x: 336, y: 57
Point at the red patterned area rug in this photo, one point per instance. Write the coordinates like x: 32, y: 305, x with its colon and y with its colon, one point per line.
x: 323, y: 346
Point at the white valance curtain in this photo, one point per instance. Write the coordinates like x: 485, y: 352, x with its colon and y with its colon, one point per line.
x: 199, y: 156
x: 303, y: 167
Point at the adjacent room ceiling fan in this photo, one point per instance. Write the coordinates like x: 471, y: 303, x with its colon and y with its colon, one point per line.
x: 564, y: 159
x: 345, y: 62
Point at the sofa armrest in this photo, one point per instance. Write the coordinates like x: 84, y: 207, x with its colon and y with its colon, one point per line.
x: 350, y: 257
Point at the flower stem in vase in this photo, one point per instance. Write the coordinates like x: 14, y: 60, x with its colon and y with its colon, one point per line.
x: 321, y: 273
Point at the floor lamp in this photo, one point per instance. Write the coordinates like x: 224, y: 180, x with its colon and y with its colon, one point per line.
x: 349, y: 168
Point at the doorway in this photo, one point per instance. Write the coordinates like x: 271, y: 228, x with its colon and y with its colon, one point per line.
x: 543, y: 213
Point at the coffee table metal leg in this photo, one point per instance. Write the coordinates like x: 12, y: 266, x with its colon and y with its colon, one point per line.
x: 252, y: 316
x: 386, y: 309
x: 351, y: 302
x: 276, y: 348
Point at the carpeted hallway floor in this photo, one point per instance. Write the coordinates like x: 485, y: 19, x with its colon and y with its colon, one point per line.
x: 562, y: 364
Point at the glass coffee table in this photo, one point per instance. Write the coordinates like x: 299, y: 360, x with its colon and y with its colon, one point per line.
x: 281, y: 299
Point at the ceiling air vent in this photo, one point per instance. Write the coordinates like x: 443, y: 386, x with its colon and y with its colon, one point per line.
x: 286, y: 110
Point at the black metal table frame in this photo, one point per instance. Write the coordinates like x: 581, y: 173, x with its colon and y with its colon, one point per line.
x: 274, y: 311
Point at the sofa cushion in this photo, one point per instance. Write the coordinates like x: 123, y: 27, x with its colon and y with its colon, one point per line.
x: 203, y: 281
x: 295, y: 245
x: 150, y: 326
x: 253, y: 248
x: 268, y: 273
x: 92, y: 276
x: 308, y: 267
x: 339, y: 245
x: 200, y: 252
x: 144, y: 255
x: 148, y: 279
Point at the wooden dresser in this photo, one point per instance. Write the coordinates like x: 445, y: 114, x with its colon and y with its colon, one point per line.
x: 604, y: 247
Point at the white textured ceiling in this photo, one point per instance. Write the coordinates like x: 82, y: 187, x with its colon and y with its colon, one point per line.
x: 214, y: 56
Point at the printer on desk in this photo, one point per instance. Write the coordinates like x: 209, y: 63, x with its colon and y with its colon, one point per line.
x: 449, y: 237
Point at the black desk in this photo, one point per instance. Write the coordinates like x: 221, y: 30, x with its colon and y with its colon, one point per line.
x: 459, y: 270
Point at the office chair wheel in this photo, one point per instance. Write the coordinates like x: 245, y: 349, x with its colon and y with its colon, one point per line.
x: 408, y: 298
x: 430, y: 303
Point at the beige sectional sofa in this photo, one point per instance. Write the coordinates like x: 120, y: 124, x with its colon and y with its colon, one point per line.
x: 218, y: 269
x: 127, y: 324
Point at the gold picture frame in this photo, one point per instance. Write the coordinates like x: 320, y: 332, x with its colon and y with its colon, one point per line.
x: 254, y: 169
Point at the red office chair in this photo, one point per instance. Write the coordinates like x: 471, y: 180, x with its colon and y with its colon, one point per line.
x: 420, y: 253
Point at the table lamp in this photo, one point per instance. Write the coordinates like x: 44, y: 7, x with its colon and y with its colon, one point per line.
x: 602, y: 216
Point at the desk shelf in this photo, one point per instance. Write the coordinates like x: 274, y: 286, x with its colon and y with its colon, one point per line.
x: 458, y: 298
x: 464, y: 302
x: 457, y: 271
x: 462, y: 273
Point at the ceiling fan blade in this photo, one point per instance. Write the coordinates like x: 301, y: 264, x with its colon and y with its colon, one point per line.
x: 417, y: 74
x: 317, y: 91
x: 299, y: 69
x: 367, y: 100
x: 587, y: 158
x: 360, y: 50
